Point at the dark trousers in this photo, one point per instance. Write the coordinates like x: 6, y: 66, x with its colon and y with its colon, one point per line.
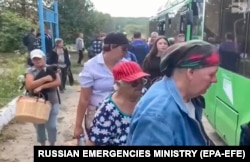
x: 80, y: 58
x: 63, y: 78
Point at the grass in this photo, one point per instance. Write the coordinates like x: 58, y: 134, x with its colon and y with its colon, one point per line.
x: 11, y: 66
x: 75, y: 67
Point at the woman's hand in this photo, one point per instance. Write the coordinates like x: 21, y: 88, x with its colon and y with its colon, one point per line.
x: 48, y: 78
x: 78, y: 131
x: 38, y: 89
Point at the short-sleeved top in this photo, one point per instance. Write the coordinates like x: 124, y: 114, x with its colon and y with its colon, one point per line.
x: 110, y: 125
x: 97, y: 76
x: 52, y: 94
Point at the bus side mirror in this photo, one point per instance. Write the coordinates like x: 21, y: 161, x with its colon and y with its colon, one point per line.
x: 189, y: 17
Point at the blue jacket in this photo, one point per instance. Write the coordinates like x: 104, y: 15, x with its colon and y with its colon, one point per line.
x: 140, y: 49
x: 161, y: 119
x: 131, y: 57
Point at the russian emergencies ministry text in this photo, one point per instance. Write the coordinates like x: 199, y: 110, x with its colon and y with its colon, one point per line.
x: 117, y: 153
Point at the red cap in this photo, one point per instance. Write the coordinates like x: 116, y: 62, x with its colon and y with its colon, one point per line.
x: 128, y: 71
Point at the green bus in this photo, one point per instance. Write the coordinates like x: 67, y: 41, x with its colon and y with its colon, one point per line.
x: 226, y: 102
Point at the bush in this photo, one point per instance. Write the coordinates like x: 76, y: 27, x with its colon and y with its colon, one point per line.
x: 10, y: 71
x: 13, y: 28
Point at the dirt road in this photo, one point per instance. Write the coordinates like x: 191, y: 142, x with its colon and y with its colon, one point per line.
x: 17, y: 140
x: 16, y: 143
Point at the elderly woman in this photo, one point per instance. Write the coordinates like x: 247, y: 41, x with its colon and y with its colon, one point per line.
x: 60, y: 57
x: 96, y: 79
x: 112, y: 119
x: 35, y: 85
x: 170, y: 112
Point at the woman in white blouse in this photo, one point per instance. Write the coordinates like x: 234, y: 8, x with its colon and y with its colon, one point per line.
x: 97, y: 81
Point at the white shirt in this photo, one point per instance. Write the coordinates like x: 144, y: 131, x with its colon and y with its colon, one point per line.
x: 97, y: 76
x: 191, y: 109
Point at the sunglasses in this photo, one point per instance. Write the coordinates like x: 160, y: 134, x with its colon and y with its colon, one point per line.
x: 138, y: 82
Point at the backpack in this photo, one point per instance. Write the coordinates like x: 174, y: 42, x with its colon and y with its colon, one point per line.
x: 26, y: 40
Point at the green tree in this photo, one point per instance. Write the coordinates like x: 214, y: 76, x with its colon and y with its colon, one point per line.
x: 12, y: 30
x: 103, y: 22
x: 25, y: 8
x: 80, y: 16
x: 74, y: 16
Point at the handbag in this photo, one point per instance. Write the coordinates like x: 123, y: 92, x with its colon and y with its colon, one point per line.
x: 32, y: 109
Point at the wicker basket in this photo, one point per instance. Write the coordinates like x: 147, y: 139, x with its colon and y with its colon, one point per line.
x: 32, y: 110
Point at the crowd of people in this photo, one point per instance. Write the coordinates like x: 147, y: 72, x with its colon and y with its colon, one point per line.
x: 176, y: 74
x: 132, y: 93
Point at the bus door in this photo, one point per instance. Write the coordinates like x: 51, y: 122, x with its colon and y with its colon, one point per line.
x: 244, y: 88
x: 232, y: 84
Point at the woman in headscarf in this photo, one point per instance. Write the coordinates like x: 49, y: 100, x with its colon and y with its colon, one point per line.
x: 170, y: 112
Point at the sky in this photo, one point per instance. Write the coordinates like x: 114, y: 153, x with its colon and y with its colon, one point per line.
x: 128, y: 8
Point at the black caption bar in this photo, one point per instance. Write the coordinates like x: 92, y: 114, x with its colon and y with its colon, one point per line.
x: 76, y: 153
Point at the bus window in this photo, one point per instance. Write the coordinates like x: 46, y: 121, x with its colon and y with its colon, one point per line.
x: 162, y: 27
x: 176, y: 21
x: 212, y: 21
x: 233, y: 34
x: 197, y: 28
x: 172, y: 28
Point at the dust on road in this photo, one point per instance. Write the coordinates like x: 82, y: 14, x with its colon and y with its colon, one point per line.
x: 17, y: 140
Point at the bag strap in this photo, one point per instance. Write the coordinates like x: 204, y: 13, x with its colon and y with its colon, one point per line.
x: 58, y: 95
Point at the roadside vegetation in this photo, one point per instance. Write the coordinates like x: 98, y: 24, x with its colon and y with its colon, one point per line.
x: 11, y: 66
